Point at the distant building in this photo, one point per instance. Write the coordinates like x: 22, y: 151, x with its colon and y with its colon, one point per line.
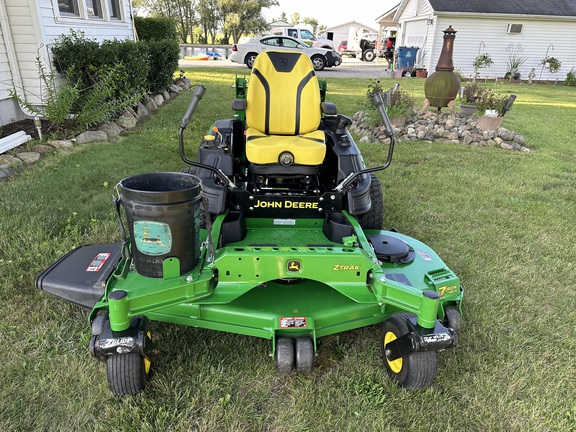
x: 340, y: 32
x: 531, y: 28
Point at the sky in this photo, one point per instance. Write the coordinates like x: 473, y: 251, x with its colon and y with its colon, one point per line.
x: 332, y: 13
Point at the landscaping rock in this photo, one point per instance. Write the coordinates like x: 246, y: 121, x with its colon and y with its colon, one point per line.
x: 158, y: 99
x: 42, y: 149
x: 7, y: 162
x: 126, y: 121
x: 468, y: 139
x: 142, y: 111
x: 91, y: 136
x: 132, y: 112
x: 432, y: 126
x: 28, y: 157
x: 150, y: 104
x: 165, y: 95
x: 4, y: 174
x: 175, y: 89
x: 111, y: 129
x: 61, y: 144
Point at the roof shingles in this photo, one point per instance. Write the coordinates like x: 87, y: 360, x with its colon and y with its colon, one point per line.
x: 514, y: 7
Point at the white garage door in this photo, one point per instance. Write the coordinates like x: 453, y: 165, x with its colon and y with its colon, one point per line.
x: 415, y: 33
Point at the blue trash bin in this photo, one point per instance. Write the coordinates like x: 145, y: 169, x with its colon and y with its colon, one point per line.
x: 406, y: 57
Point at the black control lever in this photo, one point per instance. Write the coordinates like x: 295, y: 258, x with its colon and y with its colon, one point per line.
x: 196, y: 97
x: 379, y: 104
x: 343, y: 123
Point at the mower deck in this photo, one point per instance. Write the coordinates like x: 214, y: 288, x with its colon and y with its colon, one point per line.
x: 280, y: 280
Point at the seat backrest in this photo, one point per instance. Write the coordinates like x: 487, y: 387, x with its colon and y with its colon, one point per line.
x: 283, y: 96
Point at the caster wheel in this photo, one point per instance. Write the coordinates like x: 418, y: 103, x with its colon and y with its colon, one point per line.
x: 304, y: 350
x: 127, y: 373
x: 284, y: 355
x: 453, y: 319
x: 98, y: 324
x: 414, y: 371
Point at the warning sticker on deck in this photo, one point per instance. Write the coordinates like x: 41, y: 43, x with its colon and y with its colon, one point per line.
x: 425, y: 255
x: 293, y: 322
x: 98, y: 262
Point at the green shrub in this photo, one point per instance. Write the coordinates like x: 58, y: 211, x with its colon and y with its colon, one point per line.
x: 401, y: 101
x: 134, y: 57
x: 156, y: 28
x: 163, y: 61
x: 82, y: 60
x: 77, y: 57
x: 70, y: 109
x: 571, y: 78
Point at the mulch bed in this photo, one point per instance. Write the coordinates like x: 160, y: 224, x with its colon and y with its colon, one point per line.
x: 26, y: 126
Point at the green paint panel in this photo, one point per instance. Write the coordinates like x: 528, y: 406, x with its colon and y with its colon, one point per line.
x: 293, y: 273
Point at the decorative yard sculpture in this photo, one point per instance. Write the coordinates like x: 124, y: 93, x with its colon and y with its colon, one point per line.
x: 442, y: 86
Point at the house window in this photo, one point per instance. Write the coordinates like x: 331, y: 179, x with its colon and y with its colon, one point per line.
x: 113, y: 9
x: 94, y: 8
x: 68, y: 7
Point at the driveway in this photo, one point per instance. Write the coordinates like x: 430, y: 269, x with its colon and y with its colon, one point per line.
x: 350, y: 68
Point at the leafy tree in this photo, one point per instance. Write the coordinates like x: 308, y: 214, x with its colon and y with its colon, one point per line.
x: 234, y: 18
x: 316, y: 27
x: 240, y: 17
x: 209, y: 19
x: 295, y: 19
x: 283, y: 17
x: 181, y: 11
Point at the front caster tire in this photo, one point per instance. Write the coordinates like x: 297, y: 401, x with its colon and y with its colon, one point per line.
x: 127, y: 373
x: 414, y: 371
x: 304, y: 350
x: 284, y: 355
x: 452, y: 318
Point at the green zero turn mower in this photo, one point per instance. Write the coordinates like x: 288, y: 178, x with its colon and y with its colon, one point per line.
x: 275, y: 231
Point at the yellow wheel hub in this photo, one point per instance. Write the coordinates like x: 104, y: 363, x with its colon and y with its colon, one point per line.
x: 147, y: 362
x: 395, y: 365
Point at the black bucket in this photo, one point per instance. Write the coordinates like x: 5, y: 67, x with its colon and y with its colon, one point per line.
x: 162, y: 210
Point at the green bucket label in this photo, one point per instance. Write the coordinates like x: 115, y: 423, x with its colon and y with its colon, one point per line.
x: 152, y: 238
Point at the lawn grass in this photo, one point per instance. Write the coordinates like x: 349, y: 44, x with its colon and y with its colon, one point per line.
x: 502, y: 220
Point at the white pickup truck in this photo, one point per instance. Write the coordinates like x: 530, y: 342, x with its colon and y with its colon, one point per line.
x: 306, y: 36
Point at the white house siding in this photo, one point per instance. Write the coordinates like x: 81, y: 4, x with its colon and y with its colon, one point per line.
x: 489, y: 35
x: 9, y: 111
x: 416, y: 30
x: 36, y: 24
x: 5, y: 75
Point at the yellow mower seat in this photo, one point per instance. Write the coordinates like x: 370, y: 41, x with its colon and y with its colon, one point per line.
x: 283, y: 113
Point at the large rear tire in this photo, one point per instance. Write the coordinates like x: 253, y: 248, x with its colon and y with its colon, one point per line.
x: 374, y: 218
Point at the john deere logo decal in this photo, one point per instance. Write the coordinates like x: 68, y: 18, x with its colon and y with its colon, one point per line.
x: 294, y: 266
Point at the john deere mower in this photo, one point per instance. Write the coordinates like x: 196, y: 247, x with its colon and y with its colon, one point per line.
x: 274, y: 231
